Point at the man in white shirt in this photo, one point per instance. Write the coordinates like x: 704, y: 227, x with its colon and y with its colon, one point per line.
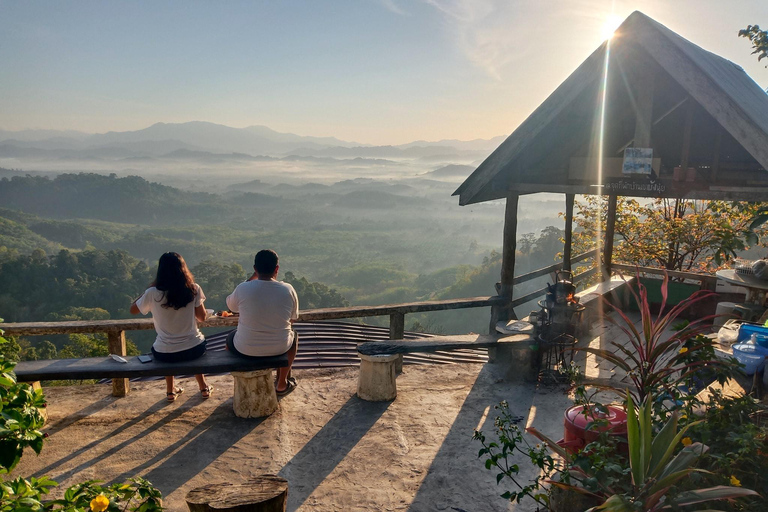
x: 267, y: 309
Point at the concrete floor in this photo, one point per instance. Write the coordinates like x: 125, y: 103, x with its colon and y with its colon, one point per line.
x: 336, y: 451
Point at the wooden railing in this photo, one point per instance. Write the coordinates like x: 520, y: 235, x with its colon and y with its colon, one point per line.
x: 706, y: 281
x: 115, y: 329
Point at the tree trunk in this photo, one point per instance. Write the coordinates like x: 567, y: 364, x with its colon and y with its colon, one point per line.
x: 266, y: 493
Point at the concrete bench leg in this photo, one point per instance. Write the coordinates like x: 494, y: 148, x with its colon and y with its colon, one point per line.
x: 377, y: 378
x: 514, y: 360
x: 255, y: 395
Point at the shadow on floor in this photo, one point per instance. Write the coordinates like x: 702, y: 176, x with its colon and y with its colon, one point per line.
x: 444, y: 477
x: 70, y: 419
x: 154, y: 408
x: 188, y: 456
x: 315, y: 461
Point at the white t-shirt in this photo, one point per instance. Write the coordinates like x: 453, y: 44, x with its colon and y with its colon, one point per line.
x: 266, y: 309
x: 176, y: 328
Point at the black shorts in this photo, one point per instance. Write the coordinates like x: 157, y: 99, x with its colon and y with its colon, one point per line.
x: 178, y: 357
x: 231, y: 345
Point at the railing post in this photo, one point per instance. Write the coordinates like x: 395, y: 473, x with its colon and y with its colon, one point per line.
x: 120, y: 387
x: 396, y: 332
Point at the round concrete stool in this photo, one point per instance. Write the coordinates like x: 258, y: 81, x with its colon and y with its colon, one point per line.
x: 377, y: 377
x: 255, y: 395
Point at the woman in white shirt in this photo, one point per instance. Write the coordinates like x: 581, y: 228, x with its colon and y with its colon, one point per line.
x: 176, y: 304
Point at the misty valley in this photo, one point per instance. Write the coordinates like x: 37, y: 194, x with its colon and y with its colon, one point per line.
x: 84, y: 219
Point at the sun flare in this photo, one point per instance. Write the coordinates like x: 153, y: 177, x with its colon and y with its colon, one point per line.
x: 611, y: 23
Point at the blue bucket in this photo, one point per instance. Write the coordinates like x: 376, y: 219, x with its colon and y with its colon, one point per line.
x: 751, y: 356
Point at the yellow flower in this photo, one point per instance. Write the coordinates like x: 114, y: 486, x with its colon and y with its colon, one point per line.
x: 735, y: 481
x: 99, y: 503
x: 683, y: 350
x: 686, y: 441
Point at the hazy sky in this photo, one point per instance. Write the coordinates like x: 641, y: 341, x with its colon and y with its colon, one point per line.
x: 372, y: 71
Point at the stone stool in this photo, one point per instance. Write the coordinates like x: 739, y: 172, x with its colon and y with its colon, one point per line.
x: 377, y: 377
x: 255, y: 395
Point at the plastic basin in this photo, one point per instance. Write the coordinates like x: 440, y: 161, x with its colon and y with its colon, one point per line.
x: 751, y: 356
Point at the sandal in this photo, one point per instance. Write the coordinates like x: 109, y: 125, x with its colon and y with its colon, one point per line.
x: 291, y: 386
x: 206, y: 391
x: 172, y: 395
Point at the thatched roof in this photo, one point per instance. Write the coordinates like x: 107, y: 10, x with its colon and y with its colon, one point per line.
x: 554, y: 149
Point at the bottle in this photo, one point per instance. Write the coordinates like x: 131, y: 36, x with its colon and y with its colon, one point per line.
x: 753, y: 339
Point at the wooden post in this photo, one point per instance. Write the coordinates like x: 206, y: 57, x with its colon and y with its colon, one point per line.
x: 567, y: 248
x: 120, y: 387
x: 267, y: 493
x: 508, y: 254
x: 610, y: 228
x: 396, y: 332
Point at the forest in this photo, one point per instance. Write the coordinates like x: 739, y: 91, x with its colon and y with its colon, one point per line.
x: 83, y: 246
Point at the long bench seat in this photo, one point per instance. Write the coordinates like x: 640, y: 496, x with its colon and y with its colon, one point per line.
x: 378, y: 360
x: 254, y: 393
x: 221, y: 361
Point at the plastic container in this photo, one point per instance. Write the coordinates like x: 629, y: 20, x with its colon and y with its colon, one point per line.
x: 751, y: 356
x: 723, y: 312
x: 747, y: 330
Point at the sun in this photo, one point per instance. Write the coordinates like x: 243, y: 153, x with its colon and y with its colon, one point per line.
x: 611, y: 23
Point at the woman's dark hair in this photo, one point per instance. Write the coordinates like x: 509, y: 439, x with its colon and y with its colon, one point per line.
x: 175, y: 281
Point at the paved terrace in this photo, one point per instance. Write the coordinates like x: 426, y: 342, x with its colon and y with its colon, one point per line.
x: 336, y: 451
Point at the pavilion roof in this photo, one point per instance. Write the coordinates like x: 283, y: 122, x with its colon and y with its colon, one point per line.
x: 554, y: 149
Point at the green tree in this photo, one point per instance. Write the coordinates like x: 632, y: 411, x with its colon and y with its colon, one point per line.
x: 673, y: 234
x: 759, y: 40
x: 315, y: 295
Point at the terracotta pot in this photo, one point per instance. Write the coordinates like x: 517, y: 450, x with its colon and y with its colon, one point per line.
x: 690, y: 174
x: 678, y: 174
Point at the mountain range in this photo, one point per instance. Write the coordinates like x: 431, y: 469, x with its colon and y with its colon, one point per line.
x: 164, y: 139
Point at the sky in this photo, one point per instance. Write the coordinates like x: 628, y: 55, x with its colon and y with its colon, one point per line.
x: 370, y: 71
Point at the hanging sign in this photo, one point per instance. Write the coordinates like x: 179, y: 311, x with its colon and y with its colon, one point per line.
x: 637, y: 161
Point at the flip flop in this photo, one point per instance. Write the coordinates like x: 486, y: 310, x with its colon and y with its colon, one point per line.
x: 291, y: 386
x: 172, y: 395
x: 206, y: 391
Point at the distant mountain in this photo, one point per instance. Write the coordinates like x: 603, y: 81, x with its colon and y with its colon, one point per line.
x: 451, y: 171
x: 467, y: 145
x: 255, y: 140
x: 160, y: 139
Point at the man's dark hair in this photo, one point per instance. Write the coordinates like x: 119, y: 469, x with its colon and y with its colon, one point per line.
x: 265, y: 262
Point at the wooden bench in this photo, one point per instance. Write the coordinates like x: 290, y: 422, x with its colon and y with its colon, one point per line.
x: 512, y: 354
x: 254, y: 393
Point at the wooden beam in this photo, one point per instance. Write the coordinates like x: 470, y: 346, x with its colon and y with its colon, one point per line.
x: 569, y: 200
x: 509, y: 249
x: 610, y: 228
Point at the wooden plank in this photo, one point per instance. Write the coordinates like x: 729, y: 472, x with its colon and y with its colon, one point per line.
x: 632, y: 269
x: 309, y: 315
x: 221, y: 361
x: 555, y: 267
x: 673, y: 189
x: 436, y: 343
x: 568, y: 243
